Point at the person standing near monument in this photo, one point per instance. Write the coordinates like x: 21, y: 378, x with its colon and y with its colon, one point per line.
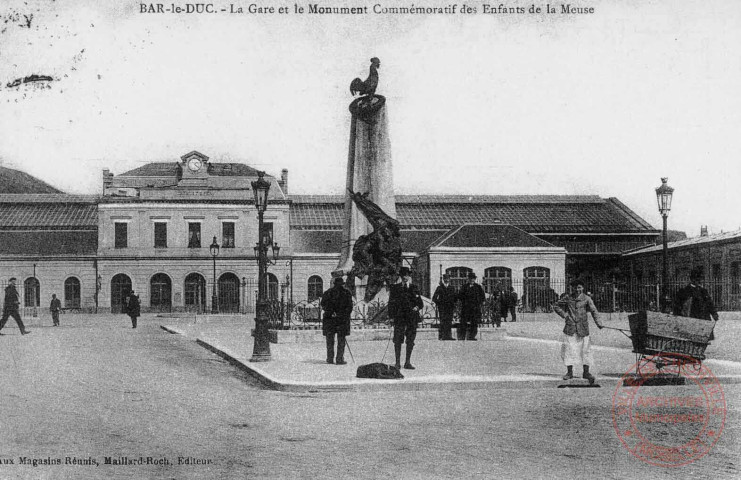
x: 445, y: 298
x: 472, y: 297
x: 10, y: 307
x: 404, y: 306
x: 337, y: 305
x: 575, y: 346
x: 55, y: 307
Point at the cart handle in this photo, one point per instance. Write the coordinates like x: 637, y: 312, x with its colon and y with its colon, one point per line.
x: 621, y: 330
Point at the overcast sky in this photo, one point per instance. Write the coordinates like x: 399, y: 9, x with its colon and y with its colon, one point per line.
x: 602, y: 104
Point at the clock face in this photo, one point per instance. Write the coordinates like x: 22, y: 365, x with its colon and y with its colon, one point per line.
x: 194, y: 164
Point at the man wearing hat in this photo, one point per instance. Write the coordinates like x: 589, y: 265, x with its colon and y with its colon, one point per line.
x: 405, y: 302
x: 10, y: 307
x: 472, y: 296
x: 337, y: 305
x: 445, y: 297
x: 694, y: 300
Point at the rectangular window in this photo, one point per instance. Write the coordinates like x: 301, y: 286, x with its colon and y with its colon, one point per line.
x: 121, y: 235
x: 160, y: 235
x: 267, y: 233
x: 194, y: 235
x: 227, y: 235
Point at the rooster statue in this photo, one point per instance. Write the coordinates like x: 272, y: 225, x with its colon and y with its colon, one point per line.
x: 367, y: 87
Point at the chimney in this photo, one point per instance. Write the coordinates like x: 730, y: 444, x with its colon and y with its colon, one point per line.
x: 703, y: 230
x: 283, y: 182
x: 107, y: 179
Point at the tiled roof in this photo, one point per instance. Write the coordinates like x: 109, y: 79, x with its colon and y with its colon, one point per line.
x: 17, y: 182
x: 170, y: 169
x: 330, y: 241
x: 47, y: 198
x: 573, y: 215
x: 156, y: 169
x: 14, y: 216
x: 489, y: 236
x: 690, y: 242
x: 461, y: 199
x: 52, y: 243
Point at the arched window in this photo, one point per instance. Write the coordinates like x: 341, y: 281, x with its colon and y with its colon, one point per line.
x: 228, y: 293
x: 195, y: 293
x: 71, y: 293
x: 537, y: 292
x: 458, y: 276
x: 497, y: 275
x: 31, y: 292
x: 160, y: 293
x: 316, y: 287
x: 120, y: 288
x: 273, y: 291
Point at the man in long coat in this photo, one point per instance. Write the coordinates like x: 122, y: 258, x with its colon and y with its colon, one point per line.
x: 445, y: 298
x: 55, y: 307
x: 695, y: 301
x: 472, y: 297
x: 10, y: 307
x: 405, y: 303
x: 133, y: 308
x: 337, y: 305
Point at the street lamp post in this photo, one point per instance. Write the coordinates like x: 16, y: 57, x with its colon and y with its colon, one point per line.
x: 214, y: 299
x: 664, y: 200
x: 261, y: 349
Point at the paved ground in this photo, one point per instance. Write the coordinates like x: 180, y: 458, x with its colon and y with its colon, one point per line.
x: 95, y: 388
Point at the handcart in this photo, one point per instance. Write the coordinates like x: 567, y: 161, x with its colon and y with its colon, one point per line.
x: 668, y: 342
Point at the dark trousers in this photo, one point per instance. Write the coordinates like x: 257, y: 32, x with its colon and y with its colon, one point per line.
x: 16, y: 317
x: 512, y: 309
x: 341, y: 342
x: 468, y: 329
x: 446, y: 324
x: 405, y: 332
x: 133, y: 320
x: 55, y: 317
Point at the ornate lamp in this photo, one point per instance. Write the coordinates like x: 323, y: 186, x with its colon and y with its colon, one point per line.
x: 261, y: 349
x: 214, y: 248
x: 664, y: 201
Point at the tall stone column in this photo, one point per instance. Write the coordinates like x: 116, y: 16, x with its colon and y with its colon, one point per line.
x: 369, y: 170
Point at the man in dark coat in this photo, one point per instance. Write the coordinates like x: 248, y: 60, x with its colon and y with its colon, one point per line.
x: 133, y: 308
x: 10, y: 307
x: 694, y: 300
x: 405, y: 302
x: 337, y: 305
x: 509, y: 304
x: 472, y: 296
x: 496, y: 301
x: 445, y: 297
x: 55, y: 307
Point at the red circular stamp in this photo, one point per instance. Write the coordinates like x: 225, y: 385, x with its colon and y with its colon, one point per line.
x: 669, y: 426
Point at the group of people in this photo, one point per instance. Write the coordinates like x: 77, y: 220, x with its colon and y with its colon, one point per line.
x: 405, y: 304
x: 472, y: 299
x: 692, y: 301
x: 12, y: 302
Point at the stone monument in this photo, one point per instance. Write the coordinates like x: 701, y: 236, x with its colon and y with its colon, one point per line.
x: 370, y: 184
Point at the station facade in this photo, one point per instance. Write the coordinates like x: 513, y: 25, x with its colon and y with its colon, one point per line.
x: 151, y: 230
